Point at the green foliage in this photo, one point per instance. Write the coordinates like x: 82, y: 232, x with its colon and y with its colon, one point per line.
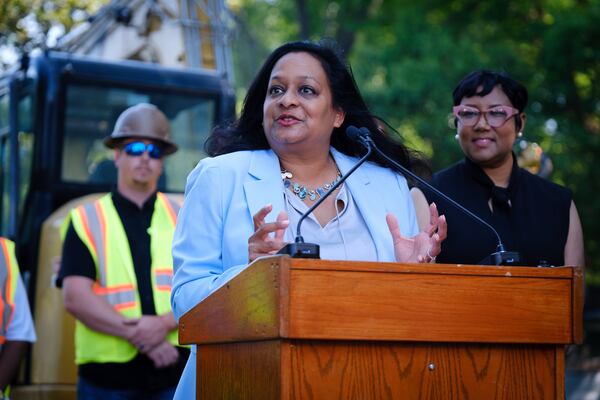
x: 250, y: 44
x: 407, y: 57
x: 24, y: 24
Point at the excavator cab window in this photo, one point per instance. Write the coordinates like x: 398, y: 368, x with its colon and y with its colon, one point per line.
x: 90, y: 114
x: 25, y: 141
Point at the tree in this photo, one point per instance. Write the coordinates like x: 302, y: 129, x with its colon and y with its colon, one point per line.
x: 26, y: 24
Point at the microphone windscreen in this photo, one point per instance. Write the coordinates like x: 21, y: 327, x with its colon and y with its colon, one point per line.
x: 353, y: 133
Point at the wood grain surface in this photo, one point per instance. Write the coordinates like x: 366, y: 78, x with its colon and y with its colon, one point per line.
x: 428, y: 307
x: 279, y: 297
x: 239, y: 371
x: 383, y: 370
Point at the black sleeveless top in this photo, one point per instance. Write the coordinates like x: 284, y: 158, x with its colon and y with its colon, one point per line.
x: 531, y: 215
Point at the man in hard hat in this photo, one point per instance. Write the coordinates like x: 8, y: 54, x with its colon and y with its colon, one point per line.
x: 116, y: 271
x: 16, y: 325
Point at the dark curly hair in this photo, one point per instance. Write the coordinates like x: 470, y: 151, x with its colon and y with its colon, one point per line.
x: 247, y: 132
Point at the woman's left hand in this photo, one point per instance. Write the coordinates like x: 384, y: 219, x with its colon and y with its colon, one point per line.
x: 426, y: 245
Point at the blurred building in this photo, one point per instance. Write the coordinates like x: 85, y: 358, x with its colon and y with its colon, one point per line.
x: 173, y: 33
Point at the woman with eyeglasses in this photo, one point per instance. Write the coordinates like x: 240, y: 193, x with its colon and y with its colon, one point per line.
x: 533, y: 216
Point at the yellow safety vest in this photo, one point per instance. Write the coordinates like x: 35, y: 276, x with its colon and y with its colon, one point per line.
x: 9, y: 273
x: 100, y: 228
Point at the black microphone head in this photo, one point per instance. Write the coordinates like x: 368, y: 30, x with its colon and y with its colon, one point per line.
x: 353, y: 133
x: 365, y: 132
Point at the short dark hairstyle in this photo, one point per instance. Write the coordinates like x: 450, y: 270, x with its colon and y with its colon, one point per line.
x: 487, y: 80
x: 247, y: 133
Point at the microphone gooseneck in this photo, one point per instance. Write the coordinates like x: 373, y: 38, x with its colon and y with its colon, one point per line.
x: 299, y: 238
x: 300, y: 249
x: 501, y: 256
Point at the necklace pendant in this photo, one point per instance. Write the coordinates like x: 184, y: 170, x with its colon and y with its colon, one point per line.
x: 302, y: 193
x: 312, y: 195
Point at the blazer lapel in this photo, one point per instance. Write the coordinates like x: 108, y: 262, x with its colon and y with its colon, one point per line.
x: 264, y: 184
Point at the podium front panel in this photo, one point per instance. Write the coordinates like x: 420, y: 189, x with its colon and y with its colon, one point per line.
x: 340, y: 370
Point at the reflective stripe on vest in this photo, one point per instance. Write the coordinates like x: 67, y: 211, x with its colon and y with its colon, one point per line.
x: 164, y: 278
x: 171, y: 206
x: 119, y: 296
x: 162, y: 261
x: 9, y: 273
x: 99, y: 227
x: 93, y: 221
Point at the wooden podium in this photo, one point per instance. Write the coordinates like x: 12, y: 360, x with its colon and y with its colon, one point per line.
x: 312, y: 329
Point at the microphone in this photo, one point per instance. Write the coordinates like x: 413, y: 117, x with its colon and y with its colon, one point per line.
x: 300, y: 249
x: 499, y: 257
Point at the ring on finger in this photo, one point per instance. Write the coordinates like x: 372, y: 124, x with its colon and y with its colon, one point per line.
x: 431, y: 258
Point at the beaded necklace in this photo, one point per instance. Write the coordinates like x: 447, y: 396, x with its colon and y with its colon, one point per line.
x: 302, y: 191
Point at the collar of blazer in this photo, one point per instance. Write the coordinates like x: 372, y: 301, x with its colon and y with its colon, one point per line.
x: 264, y: 185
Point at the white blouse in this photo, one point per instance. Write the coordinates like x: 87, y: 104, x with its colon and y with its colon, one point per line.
x: 345, y: 237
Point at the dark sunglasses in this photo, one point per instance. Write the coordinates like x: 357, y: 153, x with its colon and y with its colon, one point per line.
x: 136, y: 149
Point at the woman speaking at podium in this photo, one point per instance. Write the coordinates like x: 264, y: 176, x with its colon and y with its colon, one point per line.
x: 287, y: 149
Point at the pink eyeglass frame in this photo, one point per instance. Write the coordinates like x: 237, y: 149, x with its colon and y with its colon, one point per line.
x: 510, y: 111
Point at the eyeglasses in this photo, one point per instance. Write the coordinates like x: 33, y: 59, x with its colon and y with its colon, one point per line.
x: 495, y: 116
x: 136, y: 149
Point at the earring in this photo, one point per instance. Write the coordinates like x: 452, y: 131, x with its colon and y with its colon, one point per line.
x: 456, y: 136
x: 520, y: 134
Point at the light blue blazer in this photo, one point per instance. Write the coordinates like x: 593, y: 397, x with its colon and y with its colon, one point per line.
x: 222, y: 194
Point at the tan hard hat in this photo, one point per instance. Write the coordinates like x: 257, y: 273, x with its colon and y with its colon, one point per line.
x: 144, y: 121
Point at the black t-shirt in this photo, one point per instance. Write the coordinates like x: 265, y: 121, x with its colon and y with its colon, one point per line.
x: 140, y: 372
x: 531, y: 215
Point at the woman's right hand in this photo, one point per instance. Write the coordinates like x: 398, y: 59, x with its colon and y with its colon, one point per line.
x: 262, y: 242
